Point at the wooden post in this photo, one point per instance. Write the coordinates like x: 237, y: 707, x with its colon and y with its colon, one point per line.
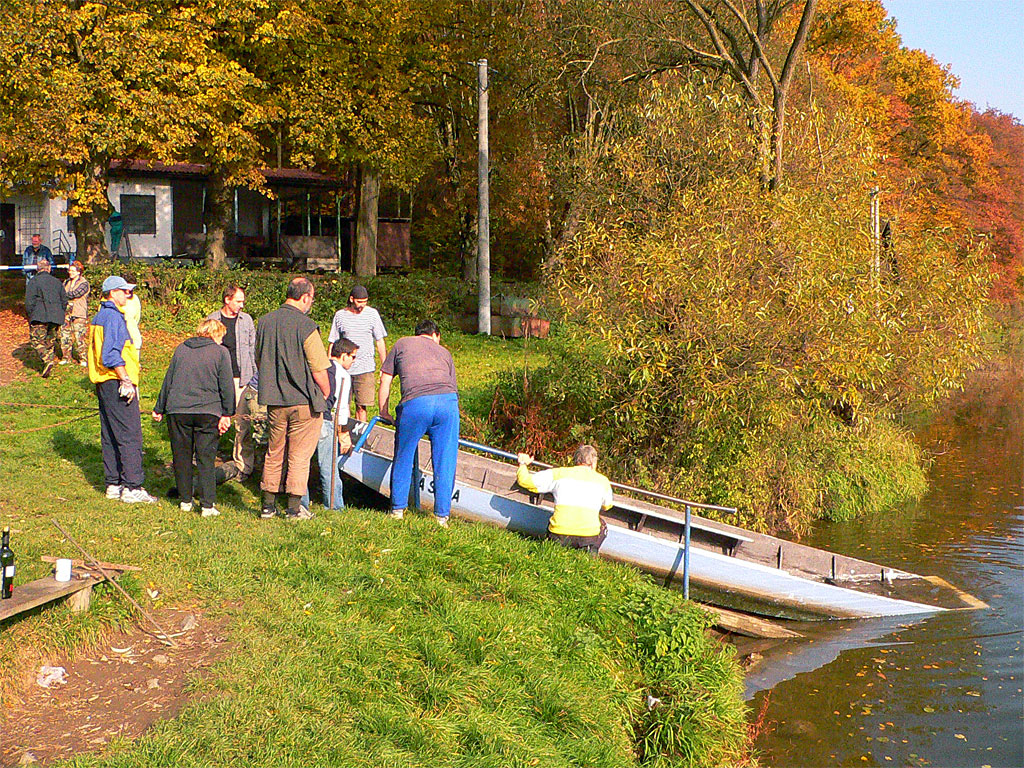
x: 79, y: 601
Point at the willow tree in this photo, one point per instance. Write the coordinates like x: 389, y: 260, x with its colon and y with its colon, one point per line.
x: 726, y: 342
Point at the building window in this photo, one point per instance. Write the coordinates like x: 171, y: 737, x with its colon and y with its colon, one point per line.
x: 30, y: 222
x: 138, y: 212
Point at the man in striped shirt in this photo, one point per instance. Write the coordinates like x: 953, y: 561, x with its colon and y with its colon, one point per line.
x: 361, y: 324
x: 581, y: 493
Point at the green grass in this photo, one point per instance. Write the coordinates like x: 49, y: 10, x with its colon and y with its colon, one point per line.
x: 362, y: 641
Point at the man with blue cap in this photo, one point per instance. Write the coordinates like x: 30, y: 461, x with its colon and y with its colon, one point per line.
x: 114, y: 369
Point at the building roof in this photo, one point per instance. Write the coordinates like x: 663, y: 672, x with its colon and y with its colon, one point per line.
x: 276, y: 177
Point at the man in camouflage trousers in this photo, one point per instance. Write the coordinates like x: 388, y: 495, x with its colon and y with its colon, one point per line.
x: 45, y: 302
x: 258, y: 425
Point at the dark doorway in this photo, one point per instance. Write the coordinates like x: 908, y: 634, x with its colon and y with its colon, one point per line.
x: 7, y: 235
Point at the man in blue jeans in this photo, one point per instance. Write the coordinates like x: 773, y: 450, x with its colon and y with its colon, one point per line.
x: 429, y: 406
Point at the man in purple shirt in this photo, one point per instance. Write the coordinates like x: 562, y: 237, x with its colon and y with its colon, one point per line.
x: 429, y: 406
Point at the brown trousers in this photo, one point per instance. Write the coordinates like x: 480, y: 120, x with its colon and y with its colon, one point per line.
x: 294, y: 433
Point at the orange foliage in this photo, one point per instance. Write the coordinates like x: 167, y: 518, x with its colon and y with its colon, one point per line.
x: 944, y: 163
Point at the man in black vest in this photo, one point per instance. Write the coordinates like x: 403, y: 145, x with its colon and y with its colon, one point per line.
x: 45, y: 301
x: 292, y: 364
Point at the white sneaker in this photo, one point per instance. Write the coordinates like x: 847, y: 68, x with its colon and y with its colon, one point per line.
x: 113, y: 491
x: 63, y: 361
x: 185, y: 506
x: 137, y: 496
x: 442, y: 521
x: 397, y: 514
x: 84, y: 364
x: 210, y: 512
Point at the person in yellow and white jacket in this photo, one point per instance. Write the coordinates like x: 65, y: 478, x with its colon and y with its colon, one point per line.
x: 581, y: 493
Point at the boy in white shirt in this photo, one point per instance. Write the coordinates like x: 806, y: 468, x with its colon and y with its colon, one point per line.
x: 343, y: 354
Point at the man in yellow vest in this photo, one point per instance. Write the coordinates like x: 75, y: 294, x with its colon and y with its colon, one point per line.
x: 581, y: 493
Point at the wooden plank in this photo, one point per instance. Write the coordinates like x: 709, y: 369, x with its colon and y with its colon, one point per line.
x: 43, y: 591
x: 970, y: 601
x: 751, y: 626
x: 83, y: 564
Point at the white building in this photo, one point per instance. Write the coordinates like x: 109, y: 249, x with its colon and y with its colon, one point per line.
x: 309, y: 223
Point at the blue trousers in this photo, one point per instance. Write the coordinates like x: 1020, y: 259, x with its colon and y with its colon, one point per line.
x: 323, y: 459
x: 436, y: 416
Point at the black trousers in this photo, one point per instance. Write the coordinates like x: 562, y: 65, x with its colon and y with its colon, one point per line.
x: 590, y: 543
x: 194, y: 435
x: 120, y: 437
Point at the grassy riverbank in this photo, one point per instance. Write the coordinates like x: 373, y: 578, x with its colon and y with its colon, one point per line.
x: 356, y: 640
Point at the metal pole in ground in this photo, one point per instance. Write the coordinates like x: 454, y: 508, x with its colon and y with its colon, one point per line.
x: 483, y: 240
x: 417, y: 476
x: 686, y: 556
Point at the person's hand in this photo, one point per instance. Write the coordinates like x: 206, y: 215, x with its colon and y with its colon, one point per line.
x: 344, y: 442
x: 385, y: 416
x: 525, y: 459
x: 126, y: 390
x: 158, y: 416
x: 223, y: 424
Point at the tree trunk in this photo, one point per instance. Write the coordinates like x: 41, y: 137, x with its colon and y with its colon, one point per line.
x: 90, y: 239
x: 218, y: 218
x: 91, y: 211
x: 365, y: 263
x: 778, y: 133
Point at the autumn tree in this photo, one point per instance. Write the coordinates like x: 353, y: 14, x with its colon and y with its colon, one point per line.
x: 997, y: 208
x: 82, y: 84
x: 351, y: 75
x: 85, y: 84
x: 729, y: 343
x: 938, y: 165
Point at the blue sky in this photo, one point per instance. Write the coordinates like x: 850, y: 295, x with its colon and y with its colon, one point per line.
x: 982, y: 40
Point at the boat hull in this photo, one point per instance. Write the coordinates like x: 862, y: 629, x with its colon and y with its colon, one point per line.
x: 770, y: 590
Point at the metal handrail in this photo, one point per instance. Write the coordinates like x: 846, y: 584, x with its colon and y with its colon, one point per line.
x: 687, y: 505
x: 620, y: 486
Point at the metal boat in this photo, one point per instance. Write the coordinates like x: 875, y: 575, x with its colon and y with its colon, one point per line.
x: 727, y: 565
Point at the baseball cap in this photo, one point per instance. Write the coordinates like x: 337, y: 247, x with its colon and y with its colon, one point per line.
x: 116, y: 283
x: 359, y: 292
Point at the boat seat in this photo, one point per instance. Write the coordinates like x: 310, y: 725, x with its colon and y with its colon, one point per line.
x: 730, y: 540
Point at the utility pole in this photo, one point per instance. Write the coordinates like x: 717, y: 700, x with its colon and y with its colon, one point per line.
x: 483, y: 238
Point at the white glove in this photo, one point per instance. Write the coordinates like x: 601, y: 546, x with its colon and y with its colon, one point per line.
x: 126, y: 390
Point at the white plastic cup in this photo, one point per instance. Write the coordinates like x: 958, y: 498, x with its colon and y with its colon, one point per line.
x: 63, y: 570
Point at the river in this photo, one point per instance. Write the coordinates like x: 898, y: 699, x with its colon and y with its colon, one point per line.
x: 943, y: 691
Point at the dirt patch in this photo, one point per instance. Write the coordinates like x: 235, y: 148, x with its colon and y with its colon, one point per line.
x: 124, y: 686
x: 15, y: 352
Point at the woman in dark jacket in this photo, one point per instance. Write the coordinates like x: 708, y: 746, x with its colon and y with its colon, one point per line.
x: 198, y: 397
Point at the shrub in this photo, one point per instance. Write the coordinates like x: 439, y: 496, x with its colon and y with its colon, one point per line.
x: 740, y: 347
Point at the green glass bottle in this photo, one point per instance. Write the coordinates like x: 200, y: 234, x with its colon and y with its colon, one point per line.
x: 6, y: 564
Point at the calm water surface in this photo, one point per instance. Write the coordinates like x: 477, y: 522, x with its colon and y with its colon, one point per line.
x: 946, y: 690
